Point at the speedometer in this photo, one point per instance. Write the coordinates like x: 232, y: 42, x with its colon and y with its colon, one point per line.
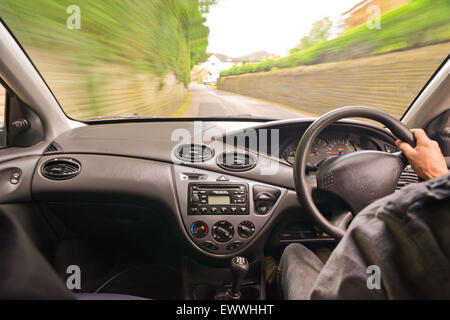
x: 340, y: 146
x: 317, y: 154
x: 322, y: 149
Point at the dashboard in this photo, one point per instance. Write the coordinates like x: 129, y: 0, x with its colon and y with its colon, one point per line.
x: 220, y: 209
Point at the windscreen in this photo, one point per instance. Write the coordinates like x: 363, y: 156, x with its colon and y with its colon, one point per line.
x: 231, y: 58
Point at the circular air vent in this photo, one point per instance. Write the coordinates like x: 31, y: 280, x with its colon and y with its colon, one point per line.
x: 236, y: 161
x: 194, y: 152
x: 60, y: 168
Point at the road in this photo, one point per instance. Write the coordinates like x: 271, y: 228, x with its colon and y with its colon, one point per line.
x: 210, y: 102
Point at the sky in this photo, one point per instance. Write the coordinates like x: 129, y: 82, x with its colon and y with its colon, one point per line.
x: 241, y: 27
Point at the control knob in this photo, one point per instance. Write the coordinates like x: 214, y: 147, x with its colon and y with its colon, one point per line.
x: 246, y: 229
x: 222, y: 231
x: 199, y: 229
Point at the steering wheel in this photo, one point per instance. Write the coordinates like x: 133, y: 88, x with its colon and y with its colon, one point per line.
x: 358, y: 178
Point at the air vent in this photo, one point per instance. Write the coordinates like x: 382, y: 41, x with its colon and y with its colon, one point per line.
x: 236, y: 161
x: 194, y: 153
x: 407, y: 177
x: 52, y: 148
x: 61, y: 168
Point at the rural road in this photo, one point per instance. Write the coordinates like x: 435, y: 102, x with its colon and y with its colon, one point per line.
x: 210, y: 102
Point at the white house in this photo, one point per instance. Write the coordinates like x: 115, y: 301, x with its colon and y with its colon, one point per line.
x: 216, y: 63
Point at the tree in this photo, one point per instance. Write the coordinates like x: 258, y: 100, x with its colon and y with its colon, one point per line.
x: 319, y: 32
x: 205, y: 4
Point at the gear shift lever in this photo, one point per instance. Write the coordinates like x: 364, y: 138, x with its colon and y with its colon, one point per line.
x: 239, y: 268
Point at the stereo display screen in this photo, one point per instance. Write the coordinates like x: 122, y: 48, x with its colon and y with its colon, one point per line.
x: 219, y: 200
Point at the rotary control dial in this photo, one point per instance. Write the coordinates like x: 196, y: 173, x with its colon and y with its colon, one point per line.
x: 222, y: 231
x: 199, y: 229
x: 246, y: 229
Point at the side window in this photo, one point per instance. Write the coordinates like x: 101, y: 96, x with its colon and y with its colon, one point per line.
x: 2, y: 116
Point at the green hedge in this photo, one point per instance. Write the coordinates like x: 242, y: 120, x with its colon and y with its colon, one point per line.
x: 154, y: 36
x: 416, y: 23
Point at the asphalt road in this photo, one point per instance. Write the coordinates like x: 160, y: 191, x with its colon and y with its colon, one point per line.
x: 210, y: 102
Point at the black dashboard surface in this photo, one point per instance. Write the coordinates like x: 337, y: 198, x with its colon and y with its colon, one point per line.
x: 158, y: 140
x: 135, y: 162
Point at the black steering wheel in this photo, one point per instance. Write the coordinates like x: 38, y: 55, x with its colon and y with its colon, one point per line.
x: 358, y: 178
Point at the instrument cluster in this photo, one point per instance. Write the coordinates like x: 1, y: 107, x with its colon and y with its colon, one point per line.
x: 328, y: 146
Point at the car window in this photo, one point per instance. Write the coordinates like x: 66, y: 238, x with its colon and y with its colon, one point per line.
x: 211, y: 58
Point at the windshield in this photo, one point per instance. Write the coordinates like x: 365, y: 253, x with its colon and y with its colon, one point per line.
x: 231, y: 58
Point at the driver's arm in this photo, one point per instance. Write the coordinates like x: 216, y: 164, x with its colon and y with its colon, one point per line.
x: 405, y: 235
x: 426, y: 158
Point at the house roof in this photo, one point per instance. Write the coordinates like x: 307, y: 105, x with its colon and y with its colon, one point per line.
x: 254, y: 57
x: 222, y: 57
x: 357, y: 6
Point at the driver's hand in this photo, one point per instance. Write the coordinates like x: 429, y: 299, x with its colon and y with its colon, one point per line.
x: 426, y: 158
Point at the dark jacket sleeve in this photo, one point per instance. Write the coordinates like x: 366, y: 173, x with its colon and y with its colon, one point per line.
x: 407, y: 236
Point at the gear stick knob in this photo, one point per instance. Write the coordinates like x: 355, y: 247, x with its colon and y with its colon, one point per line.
x: 239, y: 268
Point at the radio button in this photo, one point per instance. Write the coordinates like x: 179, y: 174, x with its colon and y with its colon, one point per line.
x: 194, y: 210
x: 213, y: 210
x: 223, y: 210
x: 233, y: 209
x: 243, y: 210
x: 195, y: 199
x: 203, y: 210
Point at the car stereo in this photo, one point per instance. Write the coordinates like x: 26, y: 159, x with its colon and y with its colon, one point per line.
x: 218, y: 199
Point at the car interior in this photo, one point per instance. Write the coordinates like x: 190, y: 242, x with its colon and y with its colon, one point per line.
x: 157, y: 208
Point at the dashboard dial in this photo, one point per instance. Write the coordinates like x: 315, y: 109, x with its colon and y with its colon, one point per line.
x: 318, y: 152
x: 340, y: 146
x: 322, y: 149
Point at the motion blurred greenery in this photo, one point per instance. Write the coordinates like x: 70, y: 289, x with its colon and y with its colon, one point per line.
x: 151, y: 36
x: 417, y: 23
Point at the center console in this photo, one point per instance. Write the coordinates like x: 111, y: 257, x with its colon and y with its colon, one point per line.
x: 239, y: 279
x: 221, y: 213
x: 218, y: 199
